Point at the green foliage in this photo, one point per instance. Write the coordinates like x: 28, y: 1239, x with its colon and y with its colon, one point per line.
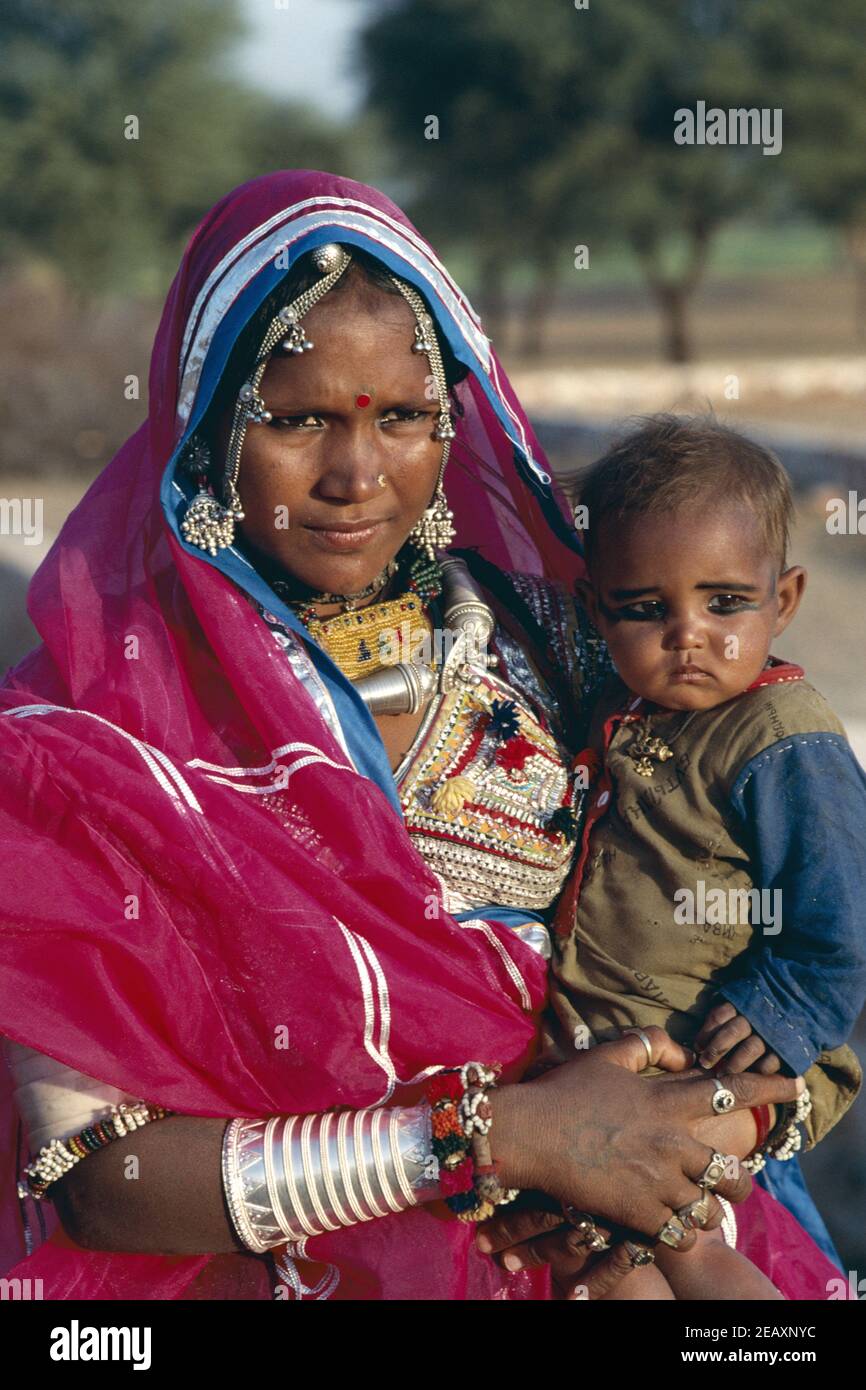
x: 562, y: 120
x: 556, y: 125
x: 813, y: 58
x: 110, y: 211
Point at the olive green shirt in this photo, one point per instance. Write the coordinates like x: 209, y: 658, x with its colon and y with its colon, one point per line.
x: 663, y: 915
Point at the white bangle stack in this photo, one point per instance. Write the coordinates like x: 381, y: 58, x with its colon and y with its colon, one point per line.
x: 294, y: 1176
x: 786, y: 1139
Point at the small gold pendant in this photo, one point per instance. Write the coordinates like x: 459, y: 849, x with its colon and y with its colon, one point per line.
x: 645, y: 747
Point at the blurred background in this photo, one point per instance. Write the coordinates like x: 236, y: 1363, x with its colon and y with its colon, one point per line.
x: 616, y: 271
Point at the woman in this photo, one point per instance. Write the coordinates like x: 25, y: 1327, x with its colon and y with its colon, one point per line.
x: 301, y: 858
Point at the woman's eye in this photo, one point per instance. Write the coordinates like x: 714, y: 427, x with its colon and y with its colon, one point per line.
x: 297, y: 422
x: 398, y: 415
x: 647, y: 611
x: 726, y: 603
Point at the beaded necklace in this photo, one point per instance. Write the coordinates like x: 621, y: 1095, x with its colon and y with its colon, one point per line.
x: 363, y: 640
x: 380, y: 634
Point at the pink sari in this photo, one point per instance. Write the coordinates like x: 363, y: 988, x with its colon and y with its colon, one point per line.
x: 141, y: 772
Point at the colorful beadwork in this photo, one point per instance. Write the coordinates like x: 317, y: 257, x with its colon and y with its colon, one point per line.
x: 379, y: 635
x: 57, y: 1157
x: 487, y: 807
x: 461, y: 1116
x: 495, y: 833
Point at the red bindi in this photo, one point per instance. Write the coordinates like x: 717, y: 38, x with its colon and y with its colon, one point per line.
x: 363, y: 399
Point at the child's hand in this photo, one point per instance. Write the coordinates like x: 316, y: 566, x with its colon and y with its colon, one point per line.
x: 727, y: 1035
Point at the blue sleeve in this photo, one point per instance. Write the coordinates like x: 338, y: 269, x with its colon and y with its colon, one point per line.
x: 802, y: 985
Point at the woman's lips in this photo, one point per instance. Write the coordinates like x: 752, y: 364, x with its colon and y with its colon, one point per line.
x: 345, y: 540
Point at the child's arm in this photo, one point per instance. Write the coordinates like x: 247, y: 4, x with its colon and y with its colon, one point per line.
x: 802, y: 984
x: 728, y: 1036
x: 713, y: 1271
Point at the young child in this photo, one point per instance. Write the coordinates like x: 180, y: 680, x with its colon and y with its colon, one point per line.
x: 720, y: 883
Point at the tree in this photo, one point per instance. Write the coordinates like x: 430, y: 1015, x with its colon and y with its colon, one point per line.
x: 119, y: 127
x: 814, y: 63
x: 556, y: 124
x: 477, y: 103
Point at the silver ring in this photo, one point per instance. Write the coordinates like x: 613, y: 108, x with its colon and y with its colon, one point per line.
x: 589, y: 1234
x: 713, y: 1173
x: 672, y: 1233
x: 724, y: 1100
x: 697, y: 1213
x: 638, y: 1255
x: 639, y: 1033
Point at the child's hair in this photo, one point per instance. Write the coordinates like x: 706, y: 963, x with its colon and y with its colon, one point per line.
x: 669, y: 460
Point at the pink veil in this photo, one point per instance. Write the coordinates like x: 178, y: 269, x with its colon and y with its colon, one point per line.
x: 138, y: 745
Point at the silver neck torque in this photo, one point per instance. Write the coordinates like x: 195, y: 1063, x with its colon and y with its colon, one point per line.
x: 407, y: 686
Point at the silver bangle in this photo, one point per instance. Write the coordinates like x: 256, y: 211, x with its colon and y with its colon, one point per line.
x: 364, y: 1165
x: 296, y: 1198
x: 313, y: 1160
x: 328, y: 1167
x: 245, y: 1187
x: 290, y: 1177
x: 361, y: 1213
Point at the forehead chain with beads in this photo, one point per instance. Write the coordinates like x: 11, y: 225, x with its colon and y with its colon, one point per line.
x: 285, y: 329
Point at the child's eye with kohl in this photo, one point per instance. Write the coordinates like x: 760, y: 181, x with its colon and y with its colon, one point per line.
x: 646, y: 611
x: 728, y: 603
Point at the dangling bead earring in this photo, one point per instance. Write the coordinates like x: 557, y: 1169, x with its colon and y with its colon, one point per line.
x: 434, y: 529
x: 210, y: 525
x: 207, y: 523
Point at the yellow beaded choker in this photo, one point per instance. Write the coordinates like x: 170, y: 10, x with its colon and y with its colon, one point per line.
x: 382, y: 634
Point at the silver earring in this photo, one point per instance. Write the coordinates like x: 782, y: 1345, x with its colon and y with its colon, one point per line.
x: 207, y: 523
x: 434, y: 530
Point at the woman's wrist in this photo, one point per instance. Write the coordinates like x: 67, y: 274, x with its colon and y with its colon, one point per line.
x: 296, y: 1176
x: 734, y: 1133
x: 516, y: 1159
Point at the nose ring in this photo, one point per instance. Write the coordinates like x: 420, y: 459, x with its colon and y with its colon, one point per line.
x: 381, y: 480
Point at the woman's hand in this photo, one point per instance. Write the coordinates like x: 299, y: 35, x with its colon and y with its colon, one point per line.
x: 531, y: 1232
x: 594, y: 1134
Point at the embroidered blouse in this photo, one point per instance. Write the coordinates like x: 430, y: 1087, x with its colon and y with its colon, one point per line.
x: 492, y: 804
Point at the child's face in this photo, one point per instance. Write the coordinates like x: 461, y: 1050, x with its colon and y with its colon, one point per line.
x: 689, y: 601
